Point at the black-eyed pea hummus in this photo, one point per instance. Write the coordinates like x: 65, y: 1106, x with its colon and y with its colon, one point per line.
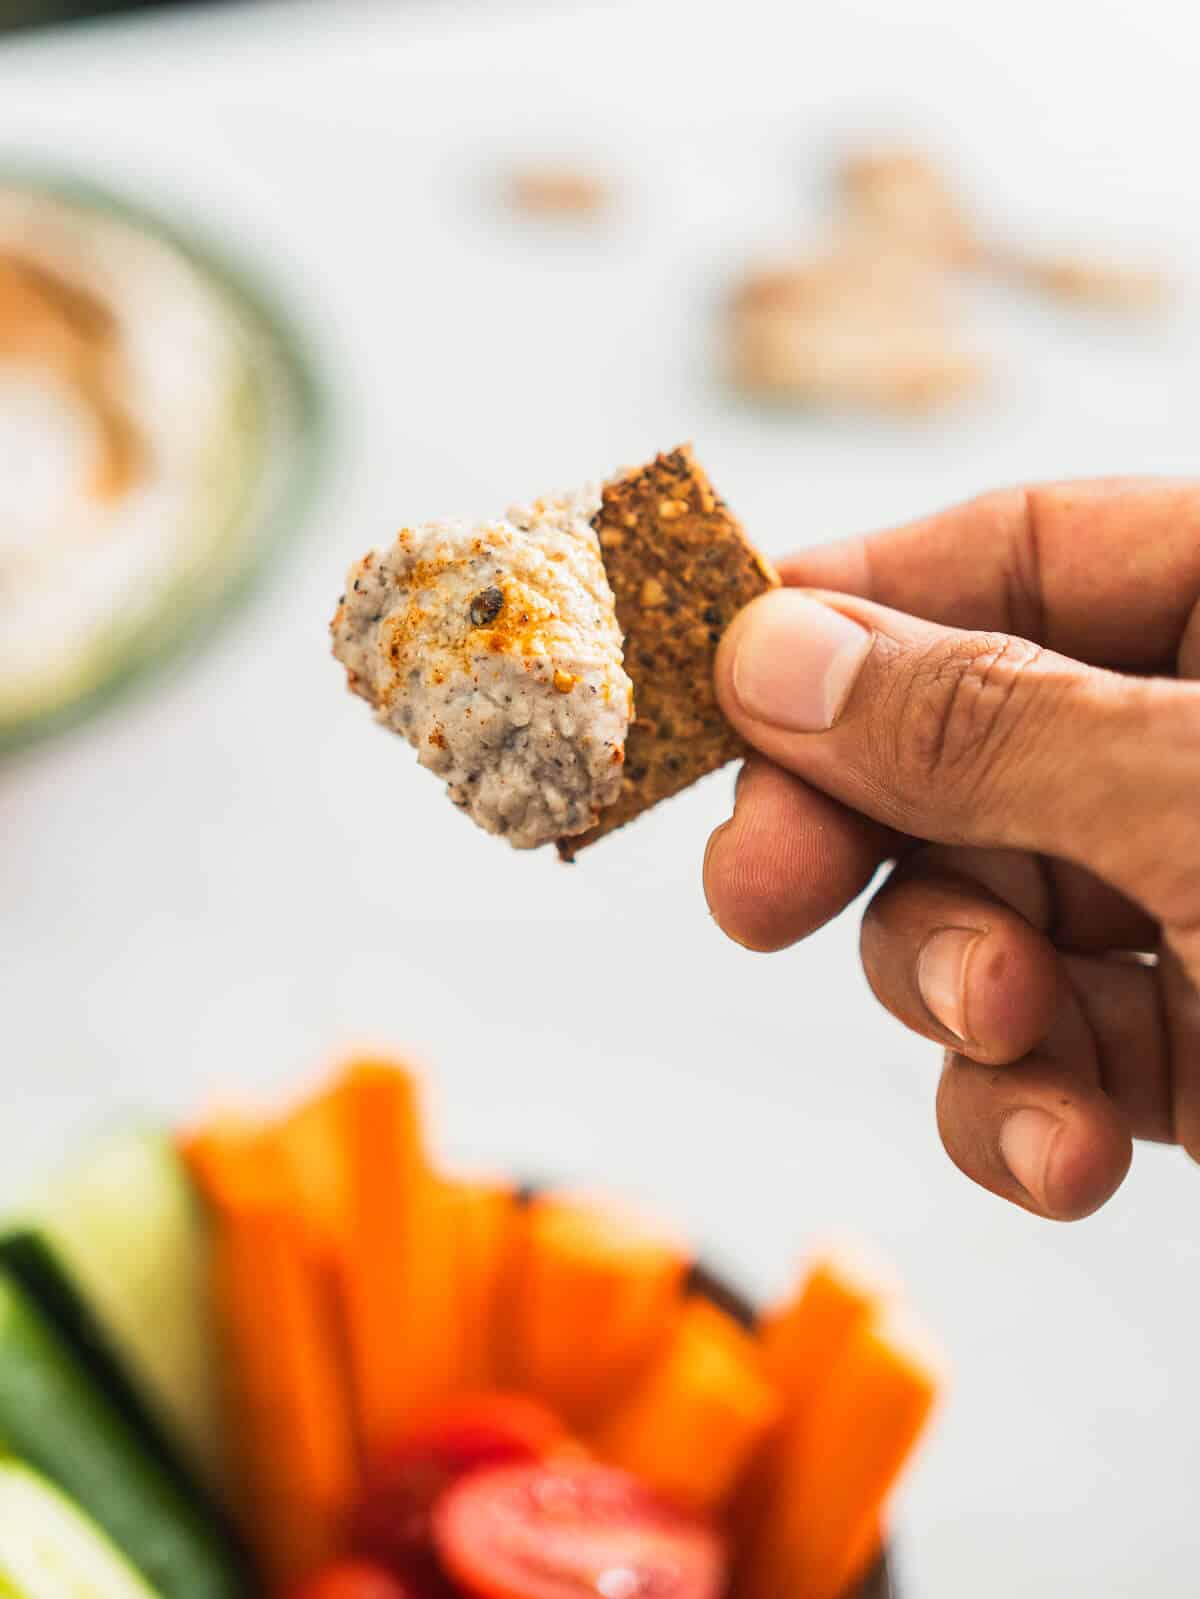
x: 494, y: 649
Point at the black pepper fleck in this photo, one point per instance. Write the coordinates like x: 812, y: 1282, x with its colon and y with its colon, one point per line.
x: 486, y: 606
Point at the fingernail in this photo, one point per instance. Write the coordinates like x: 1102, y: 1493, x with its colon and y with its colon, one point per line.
x: 796, y: 661
x: 942, y: 976
x: 1026, y: 1139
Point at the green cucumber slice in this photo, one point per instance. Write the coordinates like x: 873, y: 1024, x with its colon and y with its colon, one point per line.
x: 48, y: 1550
x: 28, y: 1257
x: 53, y: 1417
x: 123, y: 1225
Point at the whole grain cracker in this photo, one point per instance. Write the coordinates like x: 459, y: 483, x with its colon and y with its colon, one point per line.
x: 681, y: 568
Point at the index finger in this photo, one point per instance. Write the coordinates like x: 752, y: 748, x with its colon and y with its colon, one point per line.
x: 1107, y: 571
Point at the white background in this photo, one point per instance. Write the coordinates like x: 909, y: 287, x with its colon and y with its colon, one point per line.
x: 233, y: 873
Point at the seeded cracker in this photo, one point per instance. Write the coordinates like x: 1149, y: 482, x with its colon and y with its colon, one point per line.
x: 681, y: 568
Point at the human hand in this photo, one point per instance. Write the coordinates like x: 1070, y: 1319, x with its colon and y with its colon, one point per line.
x: 997, y: 699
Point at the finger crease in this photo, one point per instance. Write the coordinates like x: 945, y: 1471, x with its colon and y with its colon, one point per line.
x: 1051, y: 920
x: 1025, y: 596
x: 1086, y: 966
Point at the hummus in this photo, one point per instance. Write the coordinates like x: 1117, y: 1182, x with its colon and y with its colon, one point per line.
x: 135, y: 403
x: 47, y: 322
x: 494, y: 649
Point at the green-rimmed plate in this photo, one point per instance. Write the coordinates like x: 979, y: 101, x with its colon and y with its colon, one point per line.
x: 223, y: 399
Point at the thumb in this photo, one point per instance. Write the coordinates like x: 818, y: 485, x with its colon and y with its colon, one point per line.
x: 974, y: 738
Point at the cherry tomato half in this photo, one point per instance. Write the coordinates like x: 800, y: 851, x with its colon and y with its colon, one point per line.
x: 356, y: 1579
x: 392, y: 1523
x: 573, y: 1530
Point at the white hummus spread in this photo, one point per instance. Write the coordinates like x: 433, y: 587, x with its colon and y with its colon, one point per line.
x: 494, y: 649
x: 127, y: 419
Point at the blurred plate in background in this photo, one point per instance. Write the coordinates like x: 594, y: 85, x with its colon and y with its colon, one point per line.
x: 159, y: 423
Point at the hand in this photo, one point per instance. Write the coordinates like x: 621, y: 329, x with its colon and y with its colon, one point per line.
x: 996, y: 699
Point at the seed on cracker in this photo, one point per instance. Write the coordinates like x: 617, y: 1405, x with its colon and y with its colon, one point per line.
x: 680, y: 571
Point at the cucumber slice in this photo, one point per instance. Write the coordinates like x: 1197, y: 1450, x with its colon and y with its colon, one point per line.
x: 29, y: 1258
x: 123, y: 1224
x: 48, y: 1550
x: 53, y: 1417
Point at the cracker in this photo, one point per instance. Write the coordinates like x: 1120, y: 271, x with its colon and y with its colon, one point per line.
x: 681, y: 568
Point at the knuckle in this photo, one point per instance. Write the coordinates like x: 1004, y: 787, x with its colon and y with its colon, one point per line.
x: 964, y: 712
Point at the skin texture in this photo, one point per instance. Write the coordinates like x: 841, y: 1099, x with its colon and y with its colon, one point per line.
x: 1022, y: 743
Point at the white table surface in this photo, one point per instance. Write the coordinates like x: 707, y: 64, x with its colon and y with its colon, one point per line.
x: 232, y: 874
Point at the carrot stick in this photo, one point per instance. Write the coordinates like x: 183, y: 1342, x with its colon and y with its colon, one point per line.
x: 695, y: 1418
x: 288, y: 1417
x: 311, y: 1161
x: 400, y: 1256
x: 802, y: 1341
x: 243, y: 1385
x: 594, y: 1298
x: 314, y: 1158
x: 484, y: 1223
x: 227, y: 1160
x: 839, y: 1470
x: 803, y: 1338
x: 434, y: 1331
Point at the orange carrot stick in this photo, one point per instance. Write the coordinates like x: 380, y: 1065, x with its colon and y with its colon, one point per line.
x: 483, y: 1224
x: 840, y: 1469
x: 288, y: 1423
x: 244, y: 1387
x: 695, y: 1418
x: 400, y: 1256
x: 802, y: 1340
x: 594, y: 1298
x: 228, y: 1162
x: 313, y: 1155
x: 434, y: 1332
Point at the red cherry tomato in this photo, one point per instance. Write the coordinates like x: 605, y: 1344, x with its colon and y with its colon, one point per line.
x: 489, y: 1429
x: 356, y: 1579
x: 573, y: 1530
x: 392, y: 1523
